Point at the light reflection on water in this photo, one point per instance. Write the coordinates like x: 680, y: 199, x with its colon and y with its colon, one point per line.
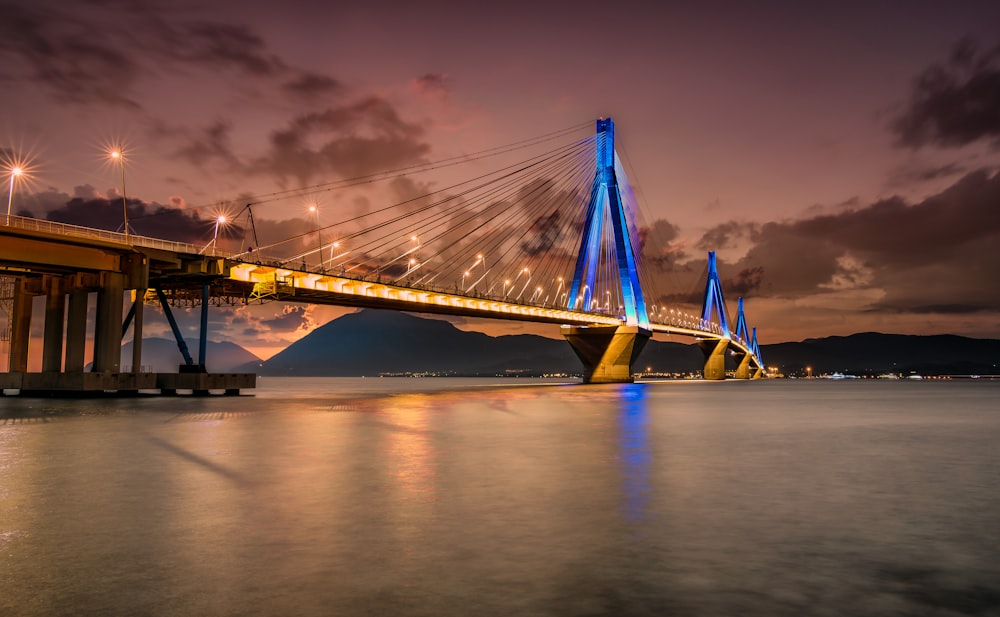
x: 458, y: 497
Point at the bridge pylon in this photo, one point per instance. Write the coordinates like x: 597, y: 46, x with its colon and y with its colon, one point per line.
x: 714, y: 305
x: 743, y: 358
x: 607, y: 352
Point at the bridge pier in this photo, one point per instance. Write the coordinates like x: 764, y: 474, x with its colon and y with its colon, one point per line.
x: 743, y: 368
x: 55, y: 314
x: 20, y: 327
x: 607, y: 352
x: 76, y: 330
x: 107, y: 329
x: 715, y: 358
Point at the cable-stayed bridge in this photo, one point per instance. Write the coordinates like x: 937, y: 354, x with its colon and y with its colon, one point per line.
x: 553, y: 238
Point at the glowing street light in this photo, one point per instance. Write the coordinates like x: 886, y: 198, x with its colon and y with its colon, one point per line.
x: 15, y: 172
x: 219, y: 222
x: 119, y: 156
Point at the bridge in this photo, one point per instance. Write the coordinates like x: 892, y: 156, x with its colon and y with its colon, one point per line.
x: 551, y: 239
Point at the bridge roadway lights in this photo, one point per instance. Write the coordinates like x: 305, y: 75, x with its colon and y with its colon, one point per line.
x: 607, y: 352
x: 715, y: 358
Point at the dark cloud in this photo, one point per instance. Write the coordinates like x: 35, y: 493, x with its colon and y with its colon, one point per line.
x: 100, y: 54
x: 226, y: 45
x: 312, y: 85
x: 210, y: 144
x: 725, y: 235
x: 938, y: 253
x: 152, y: 220
x: 432, y: 85
x: 542, y: 235
x: 290, y: 319
x: 345, y: 141
x: 910, y: 175
x: 956, y: 103
x: 73, y: 60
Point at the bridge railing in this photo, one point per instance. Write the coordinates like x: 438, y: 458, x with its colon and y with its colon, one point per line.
x: 77, y: 231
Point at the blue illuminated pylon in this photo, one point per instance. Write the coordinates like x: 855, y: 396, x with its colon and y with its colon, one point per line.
x: 741, y: 322
x: 605, y: 195
x: 714, y: 303
x: 755, y: 348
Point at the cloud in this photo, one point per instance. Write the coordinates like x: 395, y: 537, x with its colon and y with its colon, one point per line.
x: 954, y: 104
x: 74, y: 60
x: 346, y: 141
x: 291, y: 319
x: 432, y: 85
x: 725, y: 235
x: 100, y: 52
x: 146, y: 219
x: 312, y: 85
x: 921, y: 257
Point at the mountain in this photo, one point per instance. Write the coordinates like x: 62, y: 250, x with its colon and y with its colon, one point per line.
x: 872, y: 353
x: 372, y: 342
x: 160, y: 355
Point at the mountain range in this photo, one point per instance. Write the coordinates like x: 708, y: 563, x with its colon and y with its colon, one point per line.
x: 160, y: 355
x: 372, y: 342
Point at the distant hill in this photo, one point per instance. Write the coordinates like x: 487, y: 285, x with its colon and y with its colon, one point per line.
x: 372, y: 342
x: 871, y: 353
x: 160, y: 355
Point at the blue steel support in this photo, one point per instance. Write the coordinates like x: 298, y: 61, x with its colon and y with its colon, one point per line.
x: 755, y: 348
x: 202, y: 338
x: 606, y: 189
x: 586, y: 259
x: 181, y: 345
x: 741, y: 323
x: 713, y: 297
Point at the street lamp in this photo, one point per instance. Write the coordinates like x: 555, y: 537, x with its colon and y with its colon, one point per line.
x: 15, y: 172
x: 315, y: 210
x: 118, y: 155
x: 219, y: 221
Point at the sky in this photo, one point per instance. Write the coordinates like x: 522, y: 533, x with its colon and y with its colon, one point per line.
x: 841, y: 159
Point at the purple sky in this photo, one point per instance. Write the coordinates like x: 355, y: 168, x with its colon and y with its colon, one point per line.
x: 841, y: 159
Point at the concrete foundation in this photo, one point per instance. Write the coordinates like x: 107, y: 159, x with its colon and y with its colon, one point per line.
x: 715, y: 358
x: 607, y: 352
x: 123, y: 384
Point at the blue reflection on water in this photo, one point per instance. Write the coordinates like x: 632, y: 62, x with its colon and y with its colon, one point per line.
x: 633, y: 421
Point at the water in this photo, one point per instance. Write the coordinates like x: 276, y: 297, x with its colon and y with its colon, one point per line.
x: 510, y: 497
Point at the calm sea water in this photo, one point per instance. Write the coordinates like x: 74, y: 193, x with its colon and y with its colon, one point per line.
x: 513, y: 497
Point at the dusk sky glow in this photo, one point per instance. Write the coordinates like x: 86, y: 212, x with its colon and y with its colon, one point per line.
x: 842, y: 158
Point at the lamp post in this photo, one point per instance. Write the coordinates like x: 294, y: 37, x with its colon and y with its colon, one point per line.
x: 319, y: 235
x: 219, y: 221
x: 118, y: 155
x: 15, y: 172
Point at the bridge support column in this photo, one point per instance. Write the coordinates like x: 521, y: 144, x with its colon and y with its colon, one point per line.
x: 715, y: 358
x: 607, y: 352
x: 55, y: 314
x: 137, y: 307
x: 76, y: 330
x: 108, y: 329
x: 743, y: 369
x: 20, y: 327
